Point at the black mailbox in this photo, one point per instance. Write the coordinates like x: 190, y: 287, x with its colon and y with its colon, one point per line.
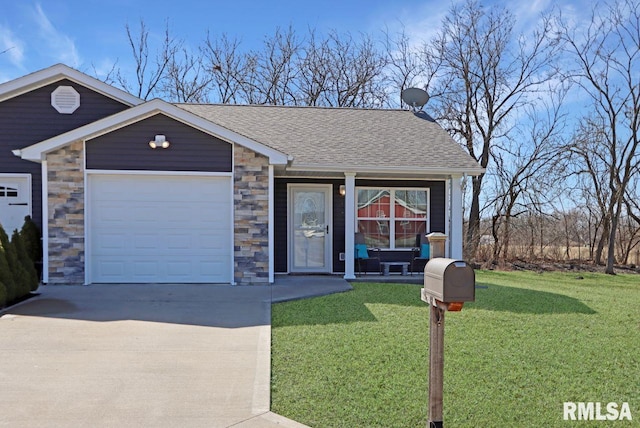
x: 449, y: 281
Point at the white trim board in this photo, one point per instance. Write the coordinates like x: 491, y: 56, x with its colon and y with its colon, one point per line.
x: 37, y: 152
x: 38, y: 79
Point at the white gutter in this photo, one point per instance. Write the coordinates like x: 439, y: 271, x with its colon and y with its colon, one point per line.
x: 387, y: 170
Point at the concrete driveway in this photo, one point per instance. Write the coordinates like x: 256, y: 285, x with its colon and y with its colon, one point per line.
x: 143, y: 355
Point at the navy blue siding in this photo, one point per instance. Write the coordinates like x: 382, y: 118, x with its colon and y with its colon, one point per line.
x: 29, y: 118
x: 128, y: 148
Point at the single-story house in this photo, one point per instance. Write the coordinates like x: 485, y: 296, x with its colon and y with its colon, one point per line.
x: 133, y: 191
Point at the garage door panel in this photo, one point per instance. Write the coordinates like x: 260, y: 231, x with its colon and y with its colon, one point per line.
x: 160, y: 228
x: 107, y: 269
x: 146, y: 269
x: 213, y: 268
x: 145, y: 241
x: 177, y: 268
x: 178, y: 242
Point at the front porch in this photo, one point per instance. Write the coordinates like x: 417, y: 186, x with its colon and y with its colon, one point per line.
x: 316, y: 220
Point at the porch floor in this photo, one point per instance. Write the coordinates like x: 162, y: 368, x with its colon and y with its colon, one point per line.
x: 395, y: 278
x: 291, y: 287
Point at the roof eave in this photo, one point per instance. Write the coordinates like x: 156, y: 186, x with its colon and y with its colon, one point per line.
x: 38, y: 79
x: 417, y: 171
x: 38, y: 151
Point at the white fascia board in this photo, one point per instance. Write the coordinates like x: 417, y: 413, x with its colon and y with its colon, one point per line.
x: 35, y: 80
x: 386, y: 170
x: 37, y: 152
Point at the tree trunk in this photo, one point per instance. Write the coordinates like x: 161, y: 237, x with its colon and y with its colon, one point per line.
x: 473, y: 232
x: 615, y: 219
x: 611, y: 252
x: 496, y: 239
x: 603, y: 239
x: 506, y: 237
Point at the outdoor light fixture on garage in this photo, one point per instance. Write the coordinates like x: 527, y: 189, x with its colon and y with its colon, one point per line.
x: 159, y: 141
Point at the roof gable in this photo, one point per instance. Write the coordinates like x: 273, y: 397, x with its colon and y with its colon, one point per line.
x: 57, y: 72
x: 37, y: 152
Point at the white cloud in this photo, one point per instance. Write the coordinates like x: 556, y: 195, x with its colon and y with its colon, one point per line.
x: 421, y: 22
x: 11, y: 47
x: 59, y: 46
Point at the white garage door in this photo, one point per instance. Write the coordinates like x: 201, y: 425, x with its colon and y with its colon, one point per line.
x: 154, y: 228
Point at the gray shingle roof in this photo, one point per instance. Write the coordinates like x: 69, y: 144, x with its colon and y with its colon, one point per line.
x: 344, y: 139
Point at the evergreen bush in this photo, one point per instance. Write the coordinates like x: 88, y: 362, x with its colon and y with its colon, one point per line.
x: 26, y: 269
x: 3, y: 294
x: 6, y: 273
x: 32, y: 239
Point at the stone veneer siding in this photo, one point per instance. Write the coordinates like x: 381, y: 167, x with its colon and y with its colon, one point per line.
x: 65, y: 176
x: 251, y: 222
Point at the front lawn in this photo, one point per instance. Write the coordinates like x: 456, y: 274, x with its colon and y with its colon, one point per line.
x: 529, y: 343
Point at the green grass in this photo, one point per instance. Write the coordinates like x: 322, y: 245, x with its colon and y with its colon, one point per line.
x: 529, y: 343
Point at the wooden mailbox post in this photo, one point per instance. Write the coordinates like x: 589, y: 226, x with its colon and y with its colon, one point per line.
x: 448, y: 284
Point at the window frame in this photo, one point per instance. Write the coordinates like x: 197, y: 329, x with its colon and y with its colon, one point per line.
x: 8, y: 192
x: 393, y: 219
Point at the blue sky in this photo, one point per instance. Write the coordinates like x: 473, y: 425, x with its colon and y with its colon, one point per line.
x: 88, y: 34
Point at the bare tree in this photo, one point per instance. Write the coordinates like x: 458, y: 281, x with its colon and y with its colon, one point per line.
x: 357, y: 72
x: 586, y: 159
x: 630, y: 238
x: 149, y: 69
x: 482, y: 77
x: 227, y: 66
x: 606, y: 55
x: 274, y: 71
x: 405, y: 65
x: 186, y: 79
x: 523, y: 167
x: 315, y: 70
x: 110, y: 77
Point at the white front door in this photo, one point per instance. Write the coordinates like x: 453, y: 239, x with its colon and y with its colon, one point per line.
x: 15, y: 201
x: 310, y: 228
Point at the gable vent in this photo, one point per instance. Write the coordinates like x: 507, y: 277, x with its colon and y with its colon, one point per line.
x: 65, y: 99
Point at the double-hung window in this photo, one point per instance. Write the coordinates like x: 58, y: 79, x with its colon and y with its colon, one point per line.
x: 392, y: 217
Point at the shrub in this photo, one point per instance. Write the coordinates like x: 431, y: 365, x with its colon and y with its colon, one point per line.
x: 32, y: 239
x: 3, y: 294
x: 6, y: 273
x: 26, y: 270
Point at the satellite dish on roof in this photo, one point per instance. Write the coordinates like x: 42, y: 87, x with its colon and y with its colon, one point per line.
x: 416, y: 98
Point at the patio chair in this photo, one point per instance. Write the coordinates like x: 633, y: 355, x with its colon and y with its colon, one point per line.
x: 421, y: 253
x: 363, y: 253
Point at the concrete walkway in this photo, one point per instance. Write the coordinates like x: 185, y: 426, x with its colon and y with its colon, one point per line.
x: 144, y: 355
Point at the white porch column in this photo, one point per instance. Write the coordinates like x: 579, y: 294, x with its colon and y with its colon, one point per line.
x: 271, y: 227
x: 455, y: 234
x: 45, y: 223
x: 349, y: 225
